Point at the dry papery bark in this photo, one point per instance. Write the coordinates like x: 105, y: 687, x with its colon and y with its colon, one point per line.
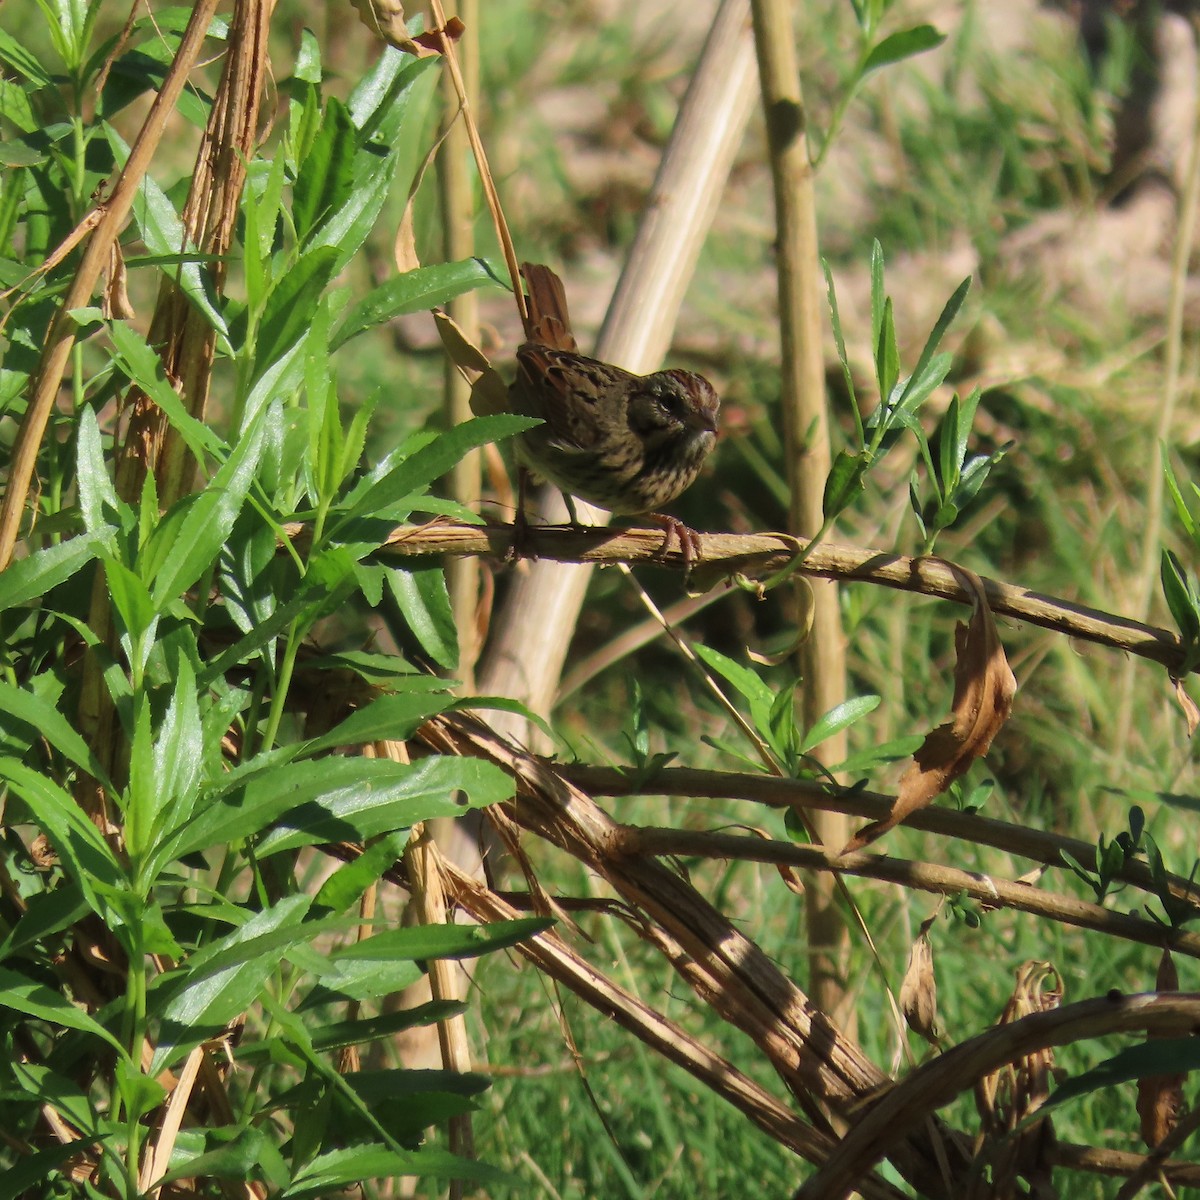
x: 836, y: 1087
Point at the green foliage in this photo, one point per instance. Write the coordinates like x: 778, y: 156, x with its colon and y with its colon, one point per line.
x: 154, y: 663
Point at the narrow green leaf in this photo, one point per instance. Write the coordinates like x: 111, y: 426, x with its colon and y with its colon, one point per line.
x: 238, y: 1159
x: 423, y: 288
x: 377, y: 1028
x: 424, y: 601
x: 343, y: 797
x: 326, y: 177
x: 887, y: 354
x: 419, y: 469
x: 361, y: 980
x: 752, y: 689
x: 878, y: 298
x: 290, y: 307
x: 840, y: 341
x: 1186, y: 519
x: 308, y: 58
x: 23, y: 61
x: 213, y: 997
x: 311, y: 597
x: 844, y: 483
x: 781, y: 730
x: 32, y: 1174
x: 131, y: 598
x: 948, y: 446
x: 385, y: 718
x: 1156, y: 1056
x: 340, y: 1169
x: 143, y: 366
x: 840, y: 717
x: 21, y: 705
x: 389, y: 110
x: 948, y: 313
x: 46, y: 914
x: 36, y: 1000
x: 905, y: 44
x: 1180, y: 597
x: 419, y: 942
x: 875, y: 756
x: 210, y: 518
x: 31, y: 578
x: 344, y: 887
x: 432, y: 787
x: 103, y: 513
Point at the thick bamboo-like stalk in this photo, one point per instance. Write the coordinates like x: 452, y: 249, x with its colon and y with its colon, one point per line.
x: 184, y: 337
x: 821, y: 656
x: 1146, y: 581
x: 457, y: 195
x: 533, y: 629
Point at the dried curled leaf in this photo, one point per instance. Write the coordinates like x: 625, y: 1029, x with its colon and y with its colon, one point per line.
x: 1160, y: 1097
x: 984, y: 686
x: 1007, y: 1097
x: 489, y: 392
x: 115, y: 304
x: 1191, y: 712
x: 385, y: 18
x: 918, y: 992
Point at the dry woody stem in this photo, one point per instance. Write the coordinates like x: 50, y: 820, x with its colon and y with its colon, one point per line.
x: 727, y: 556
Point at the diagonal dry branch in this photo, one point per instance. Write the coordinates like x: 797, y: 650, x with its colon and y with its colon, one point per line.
x: 551, y: 954
x: 814, y: 1059
x: 730, y: 973
x: 756, y: 556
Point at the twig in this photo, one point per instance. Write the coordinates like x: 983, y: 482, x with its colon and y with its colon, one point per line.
x: 989, y: 890
x: 1034, y: 844
x: 730, y: 555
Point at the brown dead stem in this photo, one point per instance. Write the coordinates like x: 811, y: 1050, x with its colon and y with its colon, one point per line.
x: 726, y: 969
